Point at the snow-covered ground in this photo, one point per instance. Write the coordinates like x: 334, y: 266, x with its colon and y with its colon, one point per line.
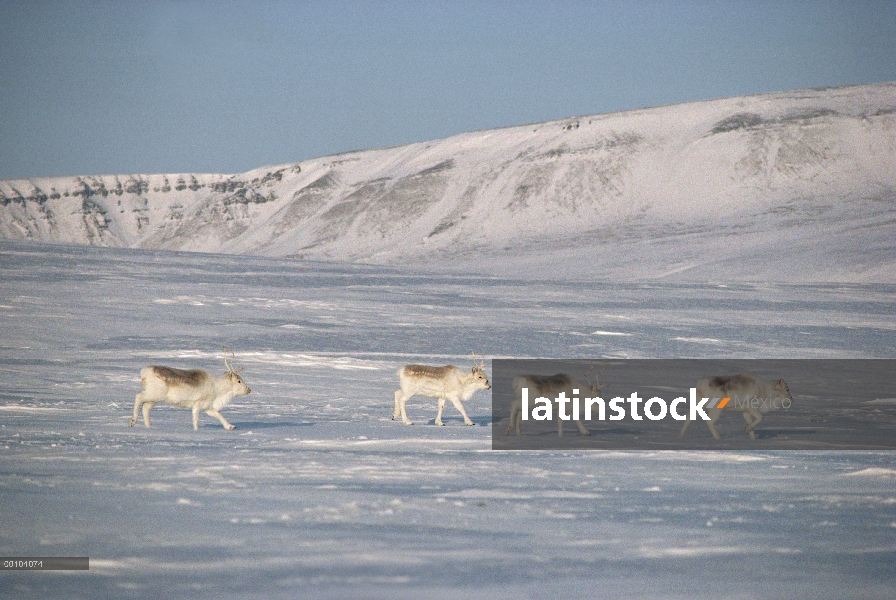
x: 318, y: 493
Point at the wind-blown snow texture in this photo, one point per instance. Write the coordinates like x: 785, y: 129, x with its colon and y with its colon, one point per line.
x: 741, y: 187
x: 317, y: 493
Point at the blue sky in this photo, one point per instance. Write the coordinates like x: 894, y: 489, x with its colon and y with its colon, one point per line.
x: 224, y: 87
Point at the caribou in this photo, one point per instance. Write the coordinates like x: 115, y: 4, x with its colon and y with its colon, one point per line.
x: 551, y: 386
x: 445, y: 383
x: 194, y: 389
x: 747, y: 394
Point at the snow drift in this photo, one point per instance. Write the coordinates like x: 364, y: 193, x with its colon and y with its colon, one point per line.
x: 786, y: 186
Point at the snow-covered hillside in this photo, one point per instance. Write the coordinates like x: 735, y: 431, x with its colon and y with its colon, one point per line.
x: 787, y: 186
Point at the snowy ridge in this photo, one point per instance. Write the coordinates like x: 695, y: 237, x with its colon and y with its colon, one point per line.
x: 741, y: 186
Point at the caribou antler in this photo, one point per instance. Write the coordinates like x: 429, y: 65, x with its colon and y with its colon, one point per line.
x: 480, y: 364
x: 588, y: 375
x: 229, y: 366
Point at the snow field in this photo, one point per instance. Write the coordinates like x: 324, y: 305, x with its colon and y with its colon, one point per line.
x: 318, y: 493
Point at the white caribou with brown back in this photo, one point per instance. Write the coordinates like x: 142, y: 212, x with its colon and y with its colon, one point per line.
x: 550, y: 387
x: 444, y: 383
x: 194, y: 389
x: 747, y: 394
